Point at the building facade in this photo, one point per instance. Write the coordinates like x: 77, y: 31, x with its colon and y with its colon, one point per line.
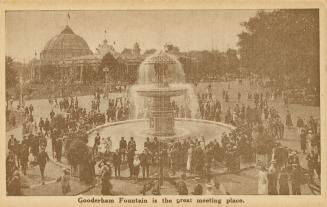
x: 68, y: 58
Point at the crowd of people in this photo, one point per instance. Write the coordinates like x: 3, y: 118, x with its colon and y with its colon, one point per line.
x: 259, y: 129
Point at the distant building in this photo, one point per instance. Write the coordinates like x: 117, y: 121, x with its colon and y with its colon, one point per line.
x: 67, y: 57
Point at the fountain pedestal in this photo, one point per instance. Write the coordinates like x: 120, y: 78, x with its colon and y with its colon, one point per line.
x: 161, y: 114
x: 161, y: 117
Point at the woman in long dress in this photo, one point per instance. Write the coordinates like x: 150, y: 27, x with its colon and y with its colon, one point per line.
x: 189, y: 158
x: 136, y: 167
x: 283, y: 183
x: 289, y: 122
x: 64, y: 179
x: 262, y: 181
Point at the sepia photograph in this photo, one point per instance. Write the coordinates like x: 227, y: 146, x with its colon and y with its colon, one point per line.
x: 162, y: 102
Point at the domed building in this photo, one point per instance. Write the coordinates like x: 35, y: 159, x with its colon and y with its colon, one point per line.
x: 65, y: 45
x: 68, y: 58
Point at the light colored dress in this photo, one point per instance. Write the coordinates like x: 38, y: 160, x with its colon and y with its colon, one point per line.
x: 189, y: 159
x: 262, y: 183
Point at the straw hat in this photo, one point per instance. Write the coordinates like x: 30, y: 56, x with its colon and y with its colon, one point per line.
x: 66, y: 170
x: 197, y: 179
x: 209, y: 185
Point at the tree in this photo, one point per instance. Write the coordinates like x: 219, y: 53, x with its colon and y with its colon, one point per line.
x: 109, y: 61
x: 150, y: 51
x: 282, y: 43
x: 171, y: 48
x: 232, y: 60
x: 11, y: 73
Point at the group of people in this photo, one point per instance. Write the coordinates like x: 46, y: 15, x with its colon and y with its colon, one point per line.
x: 259, y: 127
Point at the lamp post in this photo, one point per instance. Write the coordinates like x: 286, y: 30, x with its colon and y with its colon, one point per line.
x: 21, y: 82
x: 106, y: 70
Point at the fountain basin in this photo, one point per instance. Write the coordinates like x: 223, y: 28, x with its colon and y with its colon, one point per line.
x: 193, y: 128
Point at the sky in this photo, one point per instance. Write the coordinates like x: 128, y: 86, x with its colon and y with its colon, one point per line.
x: 27, y: 32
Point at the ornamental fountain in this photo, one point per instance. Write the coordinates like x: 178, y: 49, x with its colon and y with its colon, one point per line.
x: 161, y: 80
x: 161, y: 113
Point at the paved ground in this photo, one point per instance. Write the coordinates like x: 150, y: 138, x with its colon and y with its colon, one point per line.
x: 243, y: 183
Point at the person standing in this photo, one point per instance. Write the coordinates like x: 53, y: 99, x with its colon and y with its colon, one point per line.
x: 96, y: 144
x: 272, y: 179
x: 46, y: 127
x: 41, y: 125
x: 144, y: 158
x: 58, y: 149
x: 123, y: 148
x: 262, y: 181
x: 136, y: 167
x: 283, y: 182
x: 189, y: 158
x: 131, y: 145
x: 42, y: 140
x: 296, y: 177
x: 130, y: 161
x: 289, y: 122
x: 64, y: 179
x: 108, y: 146
x: 34, y: 146
x: 54, y: 136
x: 13, y: 146
x: 312, y: 160
x: 106, y: 187
x: 300, y: 124
x: 52, y: 114
x: 303, y: 137
x: 116, y: 159
x: 31, y: 109
x: 42, y: 159
x: 23, y: 157
x: 10, y: 164
x: 147, y: 144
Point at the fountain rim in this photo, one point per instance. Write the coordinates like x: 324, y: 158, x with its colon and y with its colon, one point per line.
x: 97, y: 128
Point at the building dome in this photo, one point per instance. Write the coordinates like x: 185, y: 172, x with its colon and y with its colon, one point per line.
x: 62, y: 46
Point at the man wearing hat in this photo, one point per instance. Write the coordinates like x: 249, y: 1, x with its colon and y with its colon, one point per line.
x: 106, y: 186
x: 147, y: 144
x: 42, y: 159
x: 123, y: 148
x: 145, y: 163
x: 303, y: 137
x: 116, y: 159
x: 64, y: 179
